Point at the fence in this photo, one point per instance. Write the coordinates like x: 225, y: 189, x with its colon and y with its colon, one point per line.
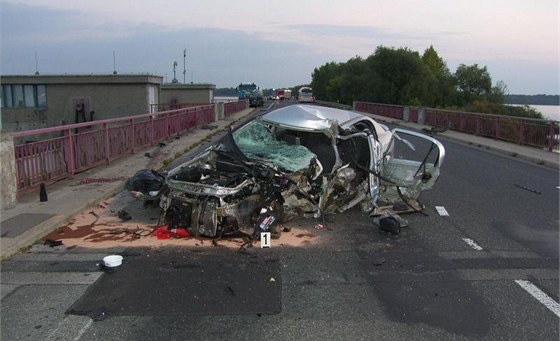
x: 60, y: 152
x: 172, y: 106
x: 233, y: 107
x: 387, y: 110
x: 524, y: 131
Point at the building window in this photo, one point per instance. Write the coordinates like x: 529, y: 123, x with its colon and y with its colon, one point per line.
x: 17, y: 91
x: 24, y: 96
x: 41, y: 96
x: 7, y: 96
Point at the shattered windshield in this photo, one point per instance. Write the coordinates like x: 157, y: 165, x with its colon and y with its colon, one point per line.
x: 257, y: 142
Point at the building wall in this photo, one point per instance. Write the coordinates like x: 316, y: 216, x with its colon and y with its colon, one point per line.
x: 187, y: 93
x: 108, y: 96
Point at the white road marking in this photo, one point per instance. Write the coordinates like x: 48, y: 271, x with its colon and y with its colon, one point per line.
x: 69, y: 326
x: 473, y: 244
x: 442, y: 211
x: 83, y: 330
x: 537, y: 293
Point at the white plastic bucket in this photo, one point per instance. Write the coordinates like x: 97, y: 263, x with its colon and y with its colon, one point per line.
x: 112, y: 261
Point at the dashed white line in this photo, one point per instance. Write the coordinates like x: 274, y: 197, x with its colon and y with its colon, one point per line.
x: 537, y: 293
x: 473, y: 244
x: 442, y: 211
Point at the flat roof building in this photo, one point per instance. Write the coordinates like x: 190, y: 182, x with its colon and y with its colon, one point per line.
x: 41, y: 101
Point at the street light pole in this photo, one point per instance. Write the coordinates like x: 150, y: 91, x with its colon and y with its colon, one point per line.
x: 184, y: 66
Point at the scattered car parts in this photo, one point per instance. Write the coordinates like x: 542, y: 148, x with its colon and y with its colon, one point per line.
x: 297, y: 161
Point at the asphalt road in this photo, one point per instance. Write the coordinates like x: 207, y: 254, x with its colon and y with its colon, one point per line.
x: 444, y: 277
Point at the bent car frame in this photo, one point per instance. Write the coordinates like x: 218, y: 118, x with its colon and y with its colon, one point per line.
x: 299, y: 161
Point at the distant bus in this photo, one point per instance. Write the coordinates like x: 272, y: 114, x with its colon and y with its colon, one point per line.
x: 305, y: 95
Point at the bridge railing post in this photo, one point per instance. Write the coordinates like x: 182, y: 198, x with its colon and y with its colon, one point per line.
x: 9, y: 170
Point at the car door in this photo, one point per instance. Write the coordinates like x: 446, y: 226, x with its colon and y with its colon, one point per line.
x: 411, y: 165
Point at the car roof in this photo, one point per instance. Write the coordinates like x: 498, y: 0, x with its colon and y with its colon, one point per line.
x: 309, y: 117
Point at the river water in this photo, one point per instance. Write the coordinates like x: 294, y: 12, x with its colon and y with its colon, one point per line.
x: 550, y: 112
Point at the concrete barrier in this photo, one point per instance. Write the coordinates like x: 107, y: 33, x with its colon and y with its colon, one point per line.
x: 8, y: 182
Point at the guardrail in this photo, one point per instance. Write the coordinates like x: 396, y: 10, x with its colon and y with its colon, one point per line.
x: 172, y: 106
x: 60, y: 152
x: 230, y: 106
x: 524, y: 131
x: 236, y: 106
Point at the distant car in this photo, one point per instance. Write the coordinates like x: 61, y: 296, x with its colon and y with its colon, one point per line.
x: 305, y: 95
x: 299, y: 161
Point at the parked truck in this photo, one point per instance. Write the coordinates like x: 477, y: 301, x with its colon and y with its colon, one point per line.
x: 251, y: 92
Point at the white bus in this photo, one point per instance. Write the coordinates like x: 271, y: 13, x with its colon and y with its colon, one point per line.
x: 305, y: 94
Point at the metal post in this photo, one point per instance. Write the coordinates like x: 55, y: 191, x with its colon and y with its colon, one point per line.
x: 106, y: 138
x: 184, y: 66
x: 133, y: 136
x: 551, y: 137
x: 478, y: 124
x: 521, y: 133
x: 70, y: 153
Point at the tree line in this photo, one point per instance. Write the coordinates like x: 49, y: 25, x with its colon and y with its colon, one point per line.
x: 540, y: 99
x: 404, y: 77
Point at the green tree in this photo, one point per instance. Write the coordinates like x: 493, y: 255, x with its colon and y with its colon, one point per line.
x: 498, y: 93
x: 400, y: 77
x: 445, y: 82
x: 473, y: 83
x: 321, y: 77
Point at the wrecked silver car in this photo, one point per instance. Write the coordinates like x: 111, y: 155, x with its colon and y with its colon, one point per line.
x: 300, y: 161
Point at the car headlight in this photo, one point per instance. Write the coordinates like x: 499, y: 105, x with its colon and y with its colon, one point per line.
x: 153, y: 193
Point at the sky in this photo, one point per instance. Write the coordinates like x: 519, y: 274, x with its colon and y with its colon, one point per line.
x: 277, y: 43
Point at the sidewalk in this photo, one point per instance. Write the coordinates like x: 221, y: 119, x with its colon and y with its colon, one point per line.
x: 530, y: 154
x: 31, y: 219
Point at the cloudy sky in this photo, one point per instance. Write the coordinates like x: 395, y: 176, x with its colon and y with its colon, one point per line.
x: 277, y: 43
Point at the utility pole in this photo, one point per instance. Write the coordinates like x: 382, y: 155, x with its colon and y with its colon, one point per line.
x: 36, y: 65
x: 114, y: 63
x: 184, y: 66
x: 174, y: 81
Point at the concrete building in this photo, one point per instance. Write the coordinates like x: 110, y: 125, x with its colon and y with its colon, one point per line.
x: 41, y: 101
x: 172, y: 93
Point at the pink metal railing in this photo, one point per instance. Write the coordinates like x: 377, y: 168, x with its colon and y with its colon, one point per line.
x: 524, y: 131
x: 172, y: 106
x: 387, y: 110
x: 233, y: 107
x: 60, y: 152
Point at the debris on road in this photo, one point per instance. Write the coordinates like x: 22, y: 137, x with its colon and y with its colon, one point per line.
x: 300, y: 161
x: 86, y: 181
x: 113, y: 261
x: 163, y: 232
x: 43, y: 193
x: 53, y: 243
x: 124, y: 215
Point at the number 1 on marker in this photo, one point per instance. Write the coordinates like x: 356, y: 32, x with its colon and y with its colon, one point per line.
x: 265, y: 239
